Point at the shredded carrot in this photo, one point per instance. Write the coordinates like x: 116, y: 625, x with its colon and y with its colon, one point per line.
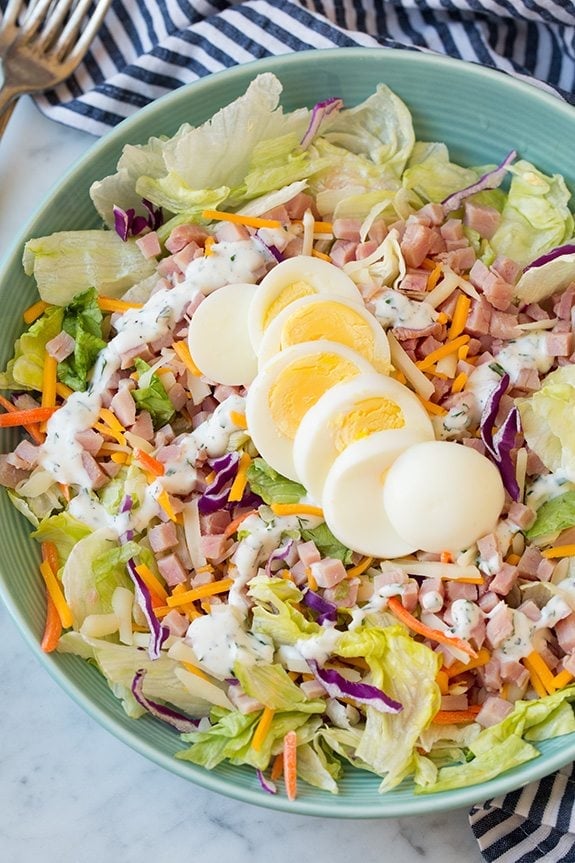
x: 32, y: 430
x: 433, y: 634
x: 63, y: 391
x: 434, y: 277
x: 535, y: 663
x: 432, y: 408
x: 290, y: 764
x: 455, y: 717
x: 151, y: 582
x: 53, y: 626
x: 442, y: 681
x: 183, y: 352
x: 277, y: 767
x: 148, y: 462
x: 444, y: 351
x: 311, y: 579
x: 50, y: 554
x: 296, y: 509
x: 559, y: 551
x: 235, y: 523
x: 201, y: 592
x: 109, y: 304
x: 446, y: 557
x: 239, y: 219
x: 562, y: 679
x: 460, y: 315
x: 360, y: 567
x: 208, y: 246
x: 33, y: 312
x: 470, y: 580
x: 457, y: 667
x: 195, y: 670
x: 241, y: 478
x: 26, y: 417
x: 428, y: 264
x: 65, y: 489
x: 55, y: 591
x: 238, y: 419
x: 262, y: 728
x: 459, y: 383
x: 320, y: 255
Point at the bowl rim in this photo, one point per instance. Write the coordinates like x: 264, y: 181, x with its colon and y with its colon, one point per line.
x: 381, y: 806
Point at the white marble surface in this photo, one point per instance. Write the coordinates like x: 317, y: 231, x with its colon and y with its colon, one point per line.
x: 69, y: 791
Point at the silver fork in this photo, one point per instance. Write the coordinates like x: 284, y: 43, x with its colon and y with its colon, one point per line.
x: 41, y: 44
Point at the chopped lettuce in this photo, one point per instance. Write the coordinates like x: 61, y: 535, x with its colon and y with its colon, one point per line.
x: 535, y: 217
x: 152, y: 397
x: 82, y: 321
x: 318, y: 767
x: 63, y: 530
x: 67, y: 263
x: 271, y: 486
x: 432, y: 175
x: 24, y: 370
x: 271, y: 685
x: 326, y: 542
x: 553, y: 516
x: 274, y: 614
x: 548, y: 421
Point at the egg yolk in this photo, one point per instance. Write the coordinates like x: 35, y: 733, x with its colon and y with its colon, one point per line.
x: 299, y: 386
x: 330, y: 320
x: 368, y: 416
x: 292, y: 292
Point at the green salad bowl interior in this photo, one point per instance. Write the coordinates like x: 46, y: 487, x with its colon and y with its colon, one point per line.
x: 481, y: 115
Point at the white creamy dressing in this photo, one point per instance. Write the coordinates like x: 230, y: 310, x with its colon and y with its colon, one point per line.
x: 219, y: 640
x: 394, y: 309
x: 61, y: 454
x: 319, y: 647
x: 465, y: 615
x: 547, y: 487
x: 523, y: 639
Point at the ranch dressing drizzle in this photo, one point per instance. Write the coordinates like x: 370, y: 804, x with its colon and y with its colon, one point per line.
x: 61, y: 454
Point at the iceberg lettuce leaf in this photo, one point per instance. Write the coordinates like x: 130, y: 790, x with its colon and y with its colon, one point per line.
x: 433, y: 176
x: 271, y: 685
x: 24, y: 370
x: 553, y: 516
x: 548, y: 421
x: 63, y: 530
x: 153, y: 396
x: 271, y: 486
x: 281, y: 621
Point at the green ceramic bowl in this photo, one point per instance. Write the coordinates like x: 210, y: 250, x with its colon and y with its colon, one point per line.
x: 481, y: 115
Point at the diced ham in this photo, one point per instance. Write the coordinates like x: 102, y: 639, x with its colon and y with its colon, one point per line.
x: 213, y: 546
x: 163, y: 536
x: 295, y: 246
x: 301, y: 202
x: 481, y: 218
x: 416, y: 282
x: 529, y: 562
x: 215, y: 522
x: 499, y: 293
x: 149, y: 245
x: 527, y: 380
x: 243, y: 702
x: 172, y: 570
x: 97, y: 476
x: 565, y: 632
x: 559, y: 344
x: 415, y: 243
x: 504, y: 326
x: 364, y: 250
x: 493, y: 710
x: 409, y: 596
x: 535, y: 466
x: 488, y: 601
x: 434, y: 214
x: 178, y: 396
x: 308, y: 553
x: 228, y: 232
x: 111, y: 468
x: 342, y: 252
x: 506, y: 268
x: 128, y: 357
x: 10, y: 476
x: 489, y: 552
x: 223, y: 391
x: 168, y: 268
x: 405, y: 333
x: 90, y: 440
x: 185, y: 256
x: 347, y: 229
x: 491, y: 675
x: 459, y: 260
x: 460, y: 590
x: 427, y: 346
x: 184, y: 234
x: 569, y: 663
x: 504, y: 580
x: 513, y: 672
x: 328, y: 572
x: 545, y: 570
x: 564, y: 302
x: 536, y: 313
x: 474, y: 443
x: 177, y: 623
x: 124, y: 406
x: 391, y: 575
x: 143, y: 426
x: 499, y: 625
x: 452, y: 229
x: 344, y: 594
x: 479, y: 318
x: 522, y: 516
x: 27, y: 455
x: 61, y: 346
x: 454, y: 702
x: 299, y: 573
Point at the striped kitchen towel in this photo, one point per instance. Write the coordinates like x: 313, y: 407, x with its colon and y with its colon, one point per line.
x: 146, y: 49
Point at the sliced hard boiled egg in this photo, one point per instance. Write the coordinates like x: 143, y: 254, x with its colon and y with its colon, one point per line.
x: 218, y: 336
x: 292, y: 279
x: 323, y: 317
x: 350, y: 411
x: 287, y: 387
x: 352, y: 495
x: 443, y: 496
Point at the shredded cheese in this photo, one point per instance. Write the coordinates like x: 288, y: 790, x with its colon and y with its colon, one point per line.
x: 559, y: 551
x: 49, y: 381
x: 443, y: 351
x: 405, y: 365
x: 201, y: 592
x: 538, y: 668
x: 183, y: 352
x: 239, y: 219
x: 57, y: 595
x: 32, y: 313
x: 263, y: 727
x: 109, y: 304
x: 460, y: 316
x: 241, y: 478
x: 296, y: 509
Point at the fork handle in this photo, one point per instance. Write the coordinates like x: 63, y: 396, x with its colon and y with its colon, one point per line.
x: 7, y: 104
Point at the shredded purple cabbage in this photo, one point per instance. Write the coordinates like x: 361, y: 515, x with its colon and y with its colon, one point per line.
x: 490, y: 180
x: 282, y: 553
x: 337, y: 686
x: 128, y: 224
x: 326, y: 610
x: 558, y: 252
x: 267, y: 784
x: 158, y: 633
x: 126, y: 504
x: 499, y: 446
x: 273, y: 250
x: 319, y: 112
x: 160, y: 711
x: 215, y: 496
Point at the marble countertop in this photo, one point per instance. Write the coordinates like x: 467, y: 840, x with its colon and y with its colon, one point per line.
x: 71, y: 792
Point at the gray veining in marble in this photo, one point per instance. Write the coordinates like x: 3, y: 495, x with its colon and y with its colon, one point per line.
x: 69, y: 791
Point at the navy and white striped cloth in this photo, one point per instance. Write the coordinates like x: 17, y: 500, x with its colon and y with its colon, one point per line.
x: 146, y: 49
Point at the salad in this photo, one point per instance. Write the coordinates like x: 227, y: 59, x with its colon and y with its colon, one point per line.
x: 299, y: 449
